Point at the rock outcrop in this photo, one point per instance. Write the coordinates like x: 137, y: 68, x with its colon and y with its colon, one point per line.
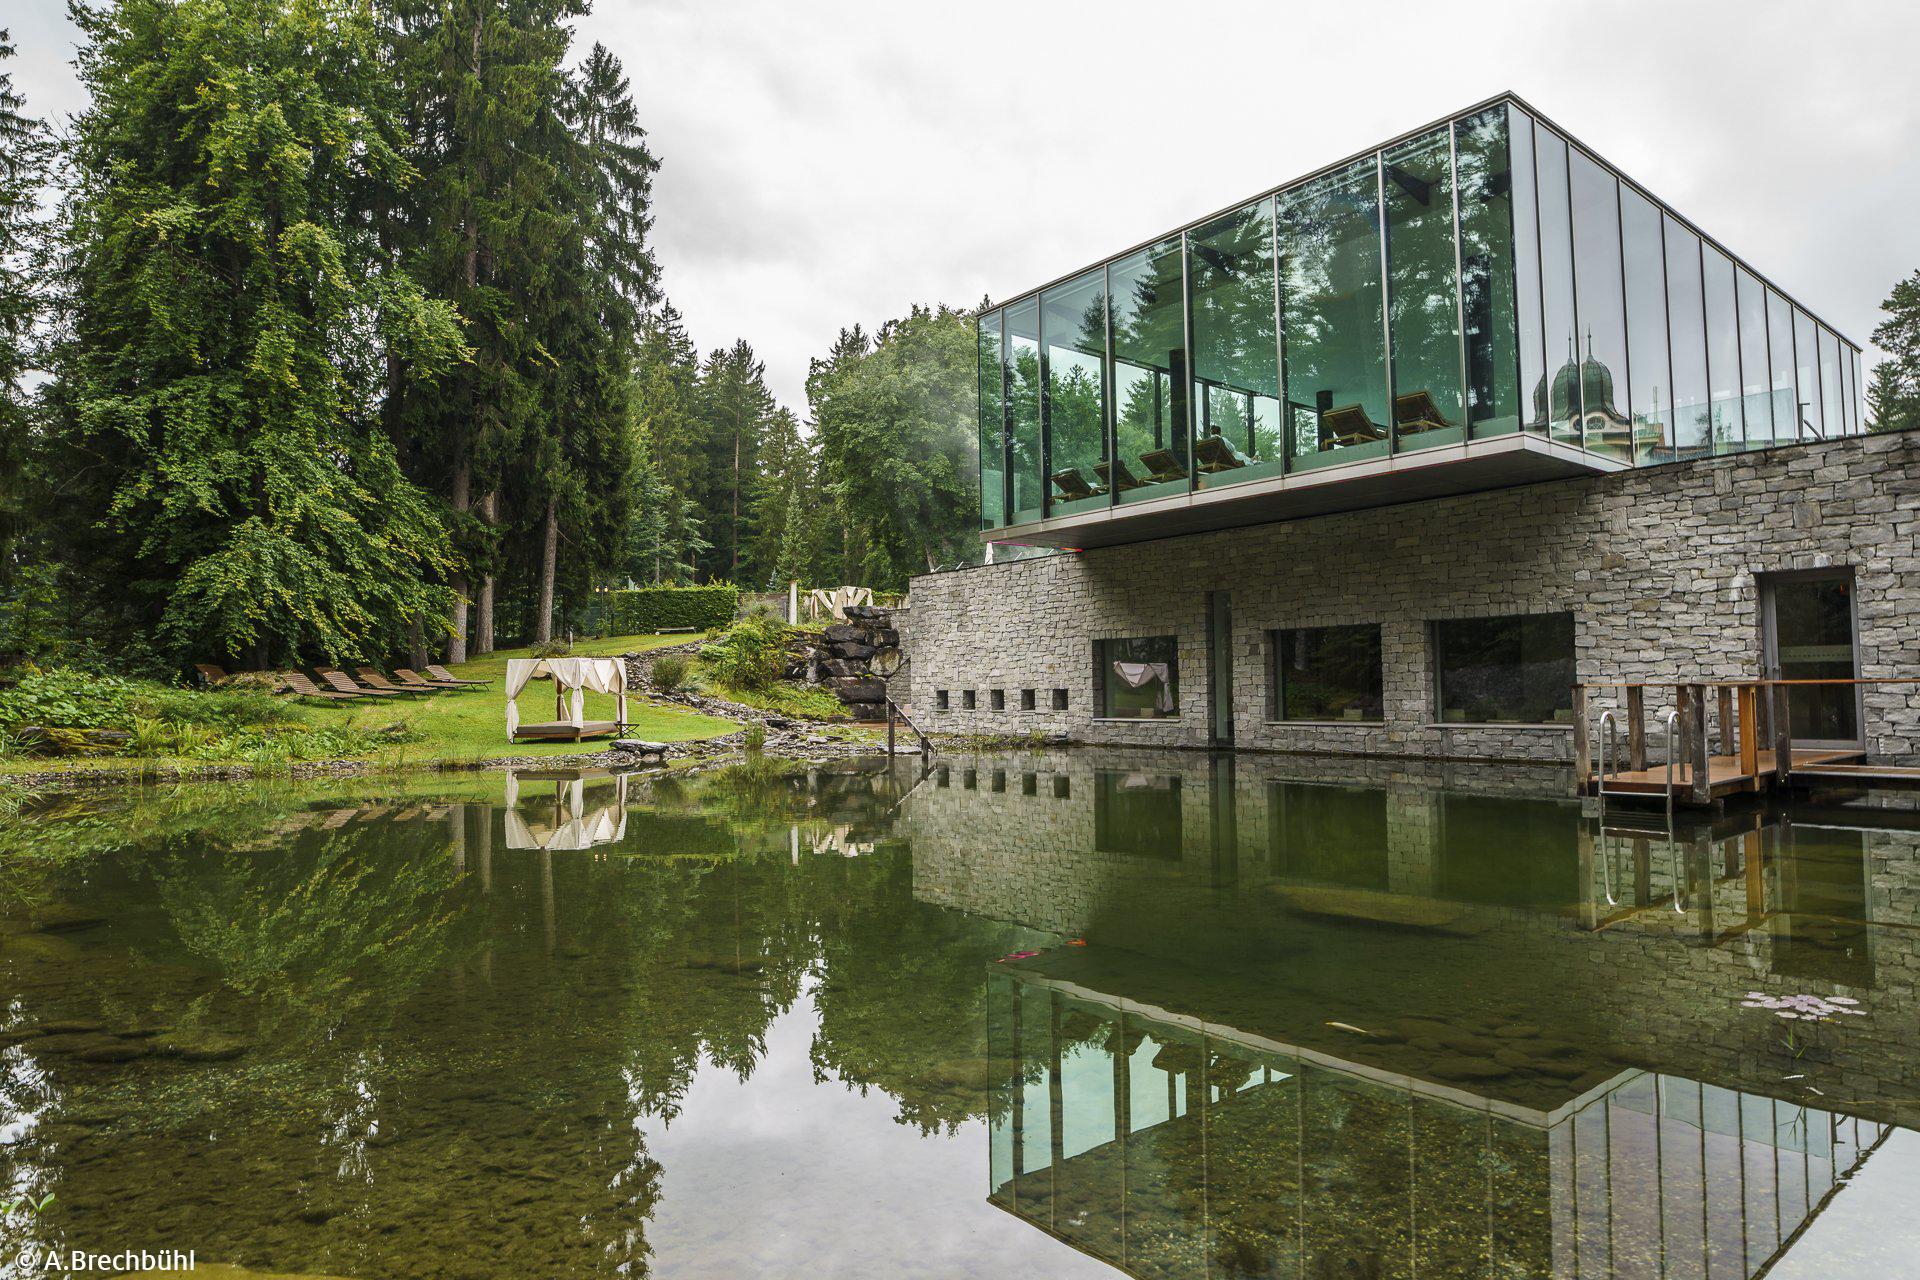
x: 854, y: 659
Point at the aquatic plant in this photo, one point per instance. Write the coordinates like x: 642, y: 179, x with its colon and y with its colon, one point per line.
x: 1804, y: 1008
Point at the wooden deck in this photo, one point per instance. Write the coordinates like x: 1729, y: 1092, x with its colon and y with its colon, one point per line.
x: 1726, y: 777
x: 1859, y: 772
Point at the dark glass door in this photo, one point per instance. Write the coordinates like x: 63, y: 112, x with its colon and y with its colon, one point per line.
x: 1220, y: 664
x: 1809, y: 621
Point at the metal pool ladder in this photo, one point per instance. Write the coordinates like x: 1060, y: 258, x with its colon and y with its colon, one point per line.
x: 1610, y: 763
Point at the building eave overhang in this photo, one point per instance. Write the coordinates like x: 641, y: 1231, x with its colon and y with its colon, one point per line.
x: 1476, y: 466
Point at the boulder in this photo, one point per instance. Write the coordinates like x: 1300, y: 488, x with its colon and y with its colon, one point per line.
x: 842, y: 667
x: 857, y: 688
x: 850, y: 649
x: 841, y: 631
x: 885, y: 661
x: 56, y: 741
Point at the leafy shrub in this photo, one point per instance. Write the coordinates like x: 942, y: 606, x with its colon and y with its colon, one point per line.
x: 670, y: 672
x: 552, y: 649
x: 756, y: 735
x: 647, y: 609
x: 751, y: 654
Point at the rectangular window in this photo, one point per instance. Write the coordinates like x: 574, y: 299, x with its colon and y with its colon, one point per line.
x: 1327, y: 673
x: 1513, y: 670
x: 940, y: 702
x: 1137, y: 814
x: 1026, y: 463
x: 1149, y: 383
x: 1073, y: 330
x: 993, y: 426
x: 1485, y: 175
x: 1138, y: 679
x: 1236, y: 361
x: 1429, y: 403
x: 1059, y: 699
x: 968, y: 700
x: 1026, y: 700
x: 997, y: 699
x: 1333, y: 317
x: 1062, y: 787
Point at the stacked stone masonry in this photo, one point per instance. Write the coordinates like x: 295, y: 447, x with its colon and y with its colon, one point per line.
x: 1659, y: 567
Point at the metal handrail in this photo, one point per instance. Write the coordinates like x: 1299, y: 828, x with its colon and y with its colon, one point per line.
x: 894, y: 711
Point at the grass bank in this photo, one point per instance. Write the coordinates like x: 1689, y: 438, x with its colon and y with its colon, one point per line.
x: 175, y: 728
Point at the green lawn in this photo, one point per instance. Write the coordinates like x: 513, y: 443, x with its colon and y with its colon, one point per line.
x: 458, y: 726
x: 471, y: 724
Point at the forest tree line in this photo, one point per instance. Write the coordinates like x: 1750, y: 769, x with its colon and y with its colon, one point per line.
x: 334, y: 330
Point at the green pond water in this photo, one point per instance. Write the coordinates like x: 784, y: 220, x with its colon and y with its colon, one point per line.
x: 1027, y: 1015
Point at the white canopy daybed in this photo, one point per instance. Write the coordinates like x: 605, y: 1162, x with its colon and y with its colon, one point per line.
x: 570, y: 676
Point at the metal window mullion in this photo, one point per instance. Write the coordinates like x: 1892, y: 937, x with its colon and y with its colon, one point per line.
x: 1459, y: 280
x: 1044, y: 405
x: 1186, y: 318
x: 1380, y: 226
x: 1626, y: 334
x: 1110, y: 414
x: 1280, y: 341
x: 1706, y: 334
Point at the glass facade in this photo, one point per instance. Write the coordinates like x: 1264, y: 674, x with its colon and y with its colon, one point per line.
x: 1236, y: 353
x: 1073, y: 327
x: 1483, y: 276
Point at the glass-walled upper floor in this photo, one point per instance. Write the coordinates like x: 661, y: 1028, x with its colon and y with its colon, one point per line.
x: 1484, y: 277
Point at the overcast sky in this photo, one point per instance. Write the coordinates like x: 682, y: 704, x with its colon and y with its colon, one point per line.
x: 832, y: 162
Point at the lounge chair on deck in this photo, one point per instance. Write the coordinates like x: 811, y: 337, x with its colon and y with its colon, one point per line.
x: 1116, y: 476
x: 1348, y: 425
x: 1216, y: 453
x: 1164, y: 466
x: 1073, y: 486
x: 1416, y: 412
x: 439, y: 672
x: 374, y: 680
x: 341, y: 681
x: 411, y: 679
x: 301, y: 687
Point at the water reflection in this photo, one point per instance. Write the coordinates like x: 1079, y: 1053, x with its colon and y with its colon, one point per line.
x: 1325, y: 1018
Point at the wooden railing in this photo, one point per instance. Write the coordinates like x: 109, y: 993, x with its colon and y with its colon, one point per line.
x: 1755, y: 723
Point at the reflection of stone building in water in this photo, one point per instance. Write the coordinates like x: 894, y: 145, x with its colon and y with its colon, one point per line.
x: 1432, y: 1012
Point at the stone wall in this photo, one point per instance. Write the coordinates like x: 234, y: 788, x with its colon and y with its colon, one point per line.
x: 1657, y: 565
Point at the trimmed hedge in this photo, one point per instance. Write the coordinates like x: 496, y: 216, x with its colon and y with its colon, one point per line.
x: 644, y: 609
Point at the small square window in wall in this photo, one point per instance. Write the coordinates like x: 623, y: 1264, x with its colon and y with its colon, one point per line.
x: 970, y: 780
x: 999, y: 782
x: 997, y: 699
x: 968, y: 700
x: 1059, y: 699
x: 1062, y: 787
x: 940, y: 700
x: 1029, y: 784
x: 1026, y: 700
x: 1137, y: 678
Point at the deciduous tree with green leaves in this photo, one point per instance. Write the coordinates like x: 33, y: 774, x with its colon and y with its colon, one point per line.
x: 225, y: 476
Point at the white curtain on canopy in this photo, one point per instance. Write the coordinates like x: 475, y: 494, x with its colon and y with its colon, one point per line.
x: 564, y: 821
x: 574, y: 675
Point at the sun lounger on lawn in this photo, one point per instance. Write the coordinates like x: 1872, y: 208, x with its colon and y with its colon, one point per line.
x: 211, y: 674
x: 439, y: 672
x: 301, y: 687
x: 374, y: 680
x: 344, y: 683
x: 411, y: 679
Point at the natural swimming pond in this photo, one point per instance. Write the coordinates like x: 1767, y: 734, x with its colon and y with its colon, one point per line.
x: 1049, y: 1014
